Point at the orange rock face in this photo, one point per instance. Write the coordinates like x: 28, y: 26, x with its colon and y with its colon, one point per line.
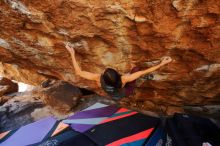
x: 116, y: 34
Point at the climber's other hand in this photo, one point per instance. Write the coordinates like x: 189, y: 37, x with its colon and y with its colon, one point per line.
x: 69, y: 48
x: 166, y: 60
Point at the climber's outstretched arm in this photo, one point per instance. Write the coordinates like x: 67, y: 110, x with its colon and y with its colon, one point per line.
x: 83, y: 74
x: 134, y: 76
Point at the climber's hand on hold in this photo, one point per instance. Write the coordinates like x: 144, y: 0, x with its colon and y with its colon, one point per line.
x: 70, y: 49
x: 166, y: 60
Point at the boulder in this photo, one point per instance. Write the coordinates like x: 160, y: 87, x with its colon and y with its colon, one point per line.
x: 61, y: 95
x: 25, y: 108
x: 4, y: 99
x: 7, y: 86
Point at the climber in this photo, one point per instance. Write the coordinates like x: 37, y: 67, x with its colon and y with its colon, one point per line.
x: 115, y: 85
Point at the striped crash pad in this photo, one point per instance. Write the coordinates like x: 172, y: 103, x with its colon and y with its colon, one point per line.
x: 108, y: 125
x: 91, y: 116
x: 158, y: 137
x: 124, y: 128
x: 29, y: 134
x: 99, y: 124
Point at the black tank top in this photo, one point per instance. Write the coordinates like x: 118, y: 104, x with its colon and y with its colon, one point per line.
x: 115, y: 93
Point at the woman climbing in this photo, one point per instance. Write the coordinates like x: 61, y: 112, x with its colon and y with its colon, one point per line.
x: 115, y: 85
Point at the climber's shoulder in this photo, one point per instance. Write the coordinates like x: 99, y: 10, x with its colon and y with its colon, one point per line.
x: 98, y: 78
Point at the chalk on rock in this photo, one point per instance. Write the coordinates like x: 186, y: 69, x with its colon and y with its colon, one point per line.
x: 17, y: 5
x: 81, y: 45
x: 140, y: 19
x: 152, y: 63
x: 4, y: 44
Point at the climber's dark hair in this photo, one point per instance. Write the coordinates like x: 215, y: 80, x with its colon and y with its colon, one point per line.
x: 112, y: 78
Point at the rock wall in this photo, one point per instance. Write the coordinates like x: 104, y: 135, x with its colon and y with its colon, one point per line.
x: 7, y: 87
x: 116, y: 34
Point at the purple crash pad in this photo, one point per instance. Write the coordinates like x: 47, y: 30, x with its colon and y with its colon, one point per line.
x: 31, y: 133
